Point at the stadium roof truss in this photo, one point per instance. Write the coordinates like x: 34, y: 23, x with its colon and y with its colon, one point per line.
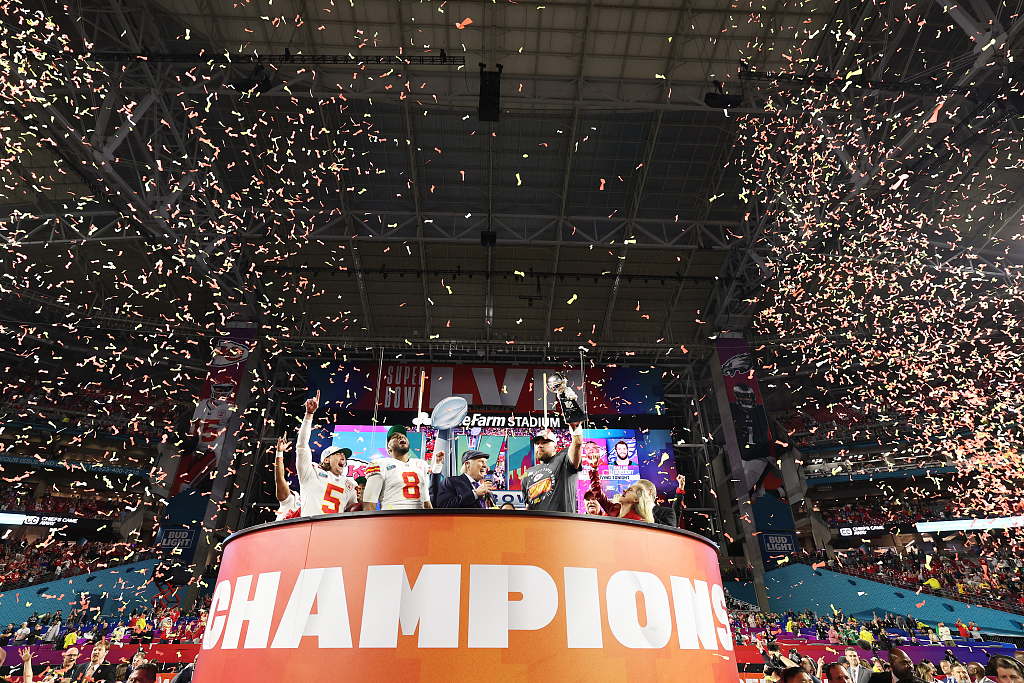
x: 617, y: 218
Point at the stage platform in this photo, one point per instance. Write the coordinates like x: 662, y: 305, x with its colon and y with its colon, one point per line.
x: 443, y: 595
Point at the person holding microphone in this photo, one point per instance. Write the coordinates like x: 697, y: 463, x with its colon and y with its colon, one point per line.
x: 471, y: 489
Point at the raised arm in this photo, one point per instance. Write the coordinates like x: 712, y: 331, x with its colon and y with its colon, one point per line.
x: 435, y: 474
x: 677, y: 502
x: 374, y: 485
x: 282, y: 483
x: 575, y: 450
x: 26, y: 659
x: 595, y: 486
x: 304, y: 456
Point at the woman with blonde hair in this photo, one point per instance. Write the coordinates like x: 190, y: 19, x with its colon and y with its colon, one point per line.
x: 926, y: 670
x: 635, y: 502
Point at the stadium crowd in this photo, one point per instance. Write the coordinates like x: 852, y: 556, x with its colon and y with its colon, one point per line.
x: 90, y: 408
x: 81, y: 629
x: 15, y: 499
x: 865, y: 513
x: 23, y: 563
x: 894, y: 634
x: 995, y: 581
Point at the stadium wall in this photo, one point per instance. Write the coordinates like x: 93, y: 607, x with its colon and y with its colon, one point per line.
x: 798, y: 587
x: 128, y: 586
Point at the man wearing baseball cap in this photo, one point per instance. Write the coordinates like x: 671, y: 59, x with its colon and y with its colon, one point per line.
x: 468, y: 490
x: 397, y: 482
x: 551, y: 484
x: 326, y: 489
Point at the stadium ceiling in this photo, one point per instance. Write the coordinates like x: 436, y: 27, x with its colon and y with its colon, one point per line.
x: 616, y: 214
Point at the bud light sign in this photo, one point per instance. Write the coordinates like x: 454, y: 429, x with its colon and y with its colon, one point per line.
x: 775, y: 545
x: 177, y: 541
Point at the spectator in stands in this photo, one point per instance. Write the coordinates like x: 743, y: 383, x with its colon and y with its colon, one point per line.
x: 144, y: 673
x: 7, y: 634
x: 1006, y: 669
x: 925, y: 671
x: 21, y: 635
x: 53, y: 630
x: 71, y: 638
x: 96, y: 669
x: 945, y: 635
x: 590, y: 504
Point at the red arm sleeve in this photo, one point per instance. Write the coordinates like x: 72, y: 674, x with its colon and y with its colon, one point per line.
x: 595, y: 486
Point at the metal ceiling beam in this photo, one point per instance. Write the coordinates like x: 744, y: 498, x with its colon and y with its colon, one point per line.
x: 634, y: 208
x: 566, y: 179
x: 410, y: 142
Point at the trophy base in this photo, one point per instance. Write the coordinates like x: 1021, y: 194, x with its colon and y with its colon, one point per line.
x: 571, y: 410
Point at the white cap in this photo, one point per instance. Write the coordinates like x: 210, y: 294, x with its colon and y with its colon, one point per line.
x: 326, y: 453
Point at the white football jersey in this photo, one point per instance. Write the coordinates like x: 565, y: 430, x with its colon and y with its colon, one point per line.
x: 210, y: 422
x: 289, y: 507
x: 323, y: 492
x: 398, y: 485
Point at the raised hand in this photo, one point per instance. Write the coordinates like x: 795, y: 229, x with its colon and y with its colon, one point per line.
x: 681, y: 480
x: 313, y: 403
x: 283, y: 445
x: 26, y: 654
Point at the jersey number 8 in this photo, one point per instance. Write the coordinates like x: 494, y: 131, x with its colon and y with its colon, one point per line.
x: 411, y: 490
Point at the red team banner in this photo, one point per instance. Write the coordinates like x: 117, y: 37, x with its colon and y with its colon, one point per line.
x: 216, y: 407
x: 465, y: 595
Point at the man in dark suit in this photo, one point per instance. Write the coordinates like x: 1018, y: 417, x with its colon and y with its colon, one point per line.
x: 96, y: 669
x: 469, y: 489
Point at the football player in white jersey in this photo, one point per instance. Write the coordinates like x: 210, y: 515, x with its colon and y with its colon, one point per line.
x: 397, y: 482
x: 326, y: 489
x: 289, y: 503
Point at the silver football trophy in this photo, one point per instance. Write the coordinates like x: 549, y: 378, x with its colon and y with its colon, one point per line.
x: 571, y: 410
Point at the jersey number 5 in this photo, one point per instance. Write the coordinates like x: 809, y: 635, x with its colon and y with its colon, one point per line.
x: 411, y: 490
x: 331, y: 503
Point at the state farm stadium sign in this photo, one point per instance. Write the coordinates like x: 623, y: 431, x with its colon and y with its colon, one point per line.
x: 418, y: 596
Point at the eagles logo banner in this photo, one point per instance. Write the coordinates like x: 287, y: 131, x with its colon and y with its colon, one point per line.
x: 757, y: 444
